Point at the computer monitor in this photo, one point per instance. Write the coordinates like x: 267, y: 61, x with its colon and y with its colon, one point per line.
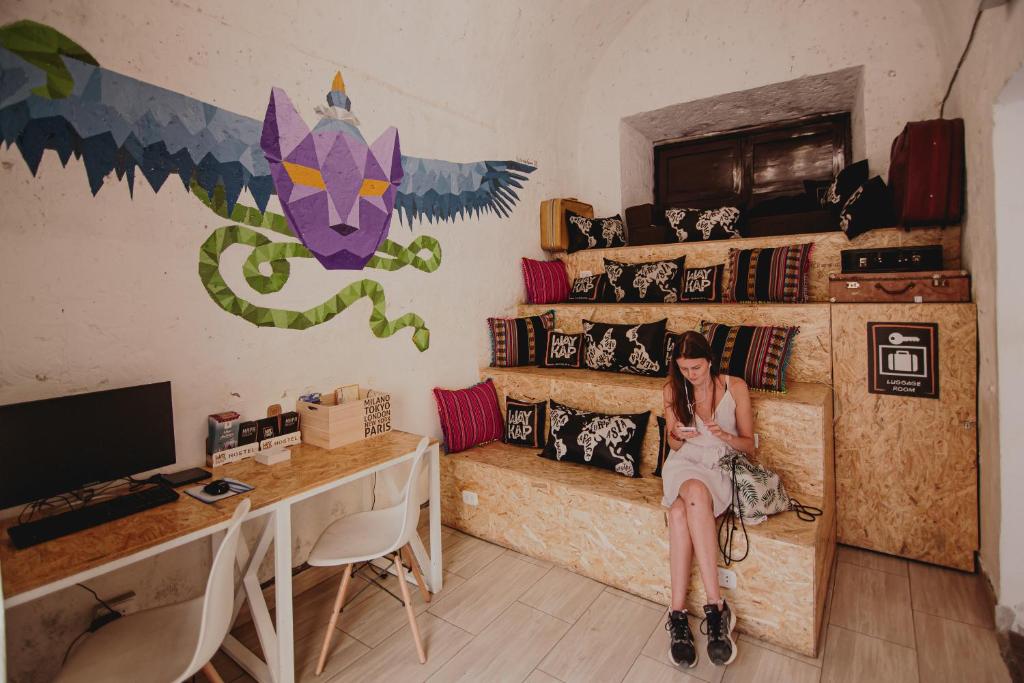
x: 62, y: 444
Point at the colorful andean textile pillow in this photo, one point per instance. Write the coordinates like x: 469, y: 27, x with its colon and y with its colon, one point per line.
x: 594, y: 233
x: 770, y: 274
x: 759, y: 355
x: 519, y: 341
x: 702, y: 284
x: 611, y: 442
x: 698, y: 225
x: 563, y: 350
x: 637, y: 349
x: 656, y: 281
x: 845, y: 184
x: 588, y: 288
x: 524, y: 423
x: 469, y: 416
x: 870, y: 206
x: 663, y: 445
x: 547, y: 282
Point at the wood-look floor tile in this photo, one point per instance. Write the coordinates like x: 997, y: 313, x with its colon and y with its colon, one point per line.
x: 657, y: 648
x: 396, y: 660
x: 634, y: 598
x: 476, y: 603
x: 526, y: 558
x: 563, y: 594
x: 646, y: 670
x: 854, y: 657
x: 375, y: 615
x: 344, y: 651
x: 950, y: 594
x: 465, y: 555
x: 954, y: 651
x: 507, y: 650
x: 755, y: 664
x: 539, y: 676
x: 872, y: 560
x: 873, y: 603
x: 604, y: 643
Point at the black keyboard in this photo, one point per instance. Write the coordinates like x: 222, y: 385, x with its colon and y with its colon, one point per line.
x: 49, y: 528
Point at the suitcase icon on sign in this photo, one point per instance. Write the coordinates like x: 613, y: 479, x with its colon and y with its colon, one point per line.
x: 902, y: 361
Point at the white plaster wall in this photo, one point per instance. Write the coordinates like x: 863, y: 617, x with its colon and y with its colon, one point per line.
x: 103, y: 292
x: 1008, y: 153
x: 671, y: 52
x: 997, y: 53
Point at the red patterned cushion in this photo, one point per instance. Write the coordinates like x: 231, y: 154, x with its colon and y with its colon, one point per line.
x: 547, y: 282
x: 469, y: 416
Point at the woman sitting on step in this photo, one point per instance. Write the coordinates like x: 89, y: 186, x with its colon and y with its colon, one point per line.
x: 706, y: 415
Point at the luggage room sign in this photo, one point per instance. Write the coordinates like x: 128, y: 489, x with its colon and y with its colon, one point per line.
x: 903, y: 359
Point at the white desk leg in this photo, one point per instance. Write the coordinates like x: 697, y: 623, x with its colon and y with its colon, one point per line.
x: 283, y: 593
x: 434, y: 573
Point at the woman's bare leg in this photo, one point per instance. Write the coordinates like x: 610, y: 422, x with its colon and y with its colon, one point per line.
x: 680, y: 553
x: 700, y: 518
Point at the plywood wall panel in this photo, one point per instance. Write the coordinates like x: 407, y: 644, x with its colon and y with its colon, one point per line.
x: 906, y: 468
x: 794, y: 429
x: 812, y: 349
x: 607, y: 527
x: 824, y: 260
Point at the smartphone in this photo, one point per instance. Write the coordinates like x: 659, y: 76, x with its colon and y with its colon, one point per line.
x: 183, y: 477
x: 687, y: 429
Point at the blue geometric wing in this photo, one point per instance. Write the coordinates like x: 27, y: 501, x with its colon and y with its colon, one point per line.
x: 117, y: 123
x: 432, y: 188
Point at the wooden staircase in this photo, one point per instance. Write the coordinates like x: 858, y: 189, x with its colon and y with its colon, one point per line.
x: 613, y: 528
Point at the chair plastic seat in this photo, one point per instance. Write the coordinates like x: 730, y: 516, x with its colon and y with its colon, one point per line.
x: 359, y: 537
x: 152, y: 645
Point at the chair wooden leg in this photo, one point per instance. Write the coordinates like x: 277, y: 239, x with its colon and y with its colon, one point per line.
x: 407, y: 550
x: 408, y: 609
x: 338, y: 603
x: 211, y: 673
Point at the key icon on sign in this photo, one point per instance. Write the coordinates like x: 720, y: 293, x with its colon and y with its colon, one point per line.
x: 897, y: 338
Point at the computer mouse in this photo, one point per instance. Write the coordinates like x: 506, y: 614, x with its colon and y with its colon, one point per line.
x: 216, y: 487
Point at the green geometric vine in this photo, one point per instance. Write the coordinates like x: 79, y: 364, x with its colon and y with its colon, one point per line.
x: 277, y: 255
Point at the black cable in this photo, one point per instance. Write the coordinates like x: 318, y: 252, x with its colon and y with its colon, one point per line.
x: 963, y: 55
x: 373, y: 501
x: 68, y: 651
x: 98, y: 598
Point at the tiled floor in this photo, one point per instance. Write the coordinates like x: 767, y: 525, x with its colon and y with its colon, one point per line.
x: 506, y: 617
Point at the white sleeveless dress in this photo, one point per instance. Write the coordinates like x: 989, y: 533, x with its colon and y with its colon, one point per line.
x: 698, y: 458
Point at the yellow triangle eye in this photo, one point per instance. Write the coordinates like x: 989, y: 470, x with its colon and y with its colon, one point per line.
x: 304, y: 175
x: 373, y: 188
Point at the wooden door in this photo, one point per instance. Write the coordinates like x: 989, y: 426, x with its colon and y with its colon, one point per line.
x: 906, y: 468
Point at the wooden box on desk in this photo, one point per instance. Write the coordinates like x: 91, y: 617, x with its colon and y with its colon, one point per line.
x: 329, y: 424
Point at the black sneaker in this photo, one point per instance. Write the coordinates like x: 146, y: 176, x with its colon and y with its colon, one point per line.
x: 681, y: 652
x: 722, y: 649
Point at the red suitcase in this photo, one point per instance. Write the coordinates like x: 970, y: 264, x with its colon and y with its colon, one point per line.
x: 926, y: 172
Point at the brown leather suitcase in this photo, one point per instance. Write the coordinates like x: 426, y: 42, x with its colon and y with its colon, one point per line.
x: 926, y: 172
x: 554, y: 236
x: 941, y: 286
x: 643, y: 228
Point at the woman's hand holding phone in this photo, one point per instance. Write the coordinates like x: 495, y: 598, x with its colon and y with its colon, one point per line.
x: 682, y: 432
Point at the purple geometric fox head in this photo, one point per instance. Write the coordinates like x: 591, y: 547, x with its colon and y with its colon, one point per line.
x: 337, y: 192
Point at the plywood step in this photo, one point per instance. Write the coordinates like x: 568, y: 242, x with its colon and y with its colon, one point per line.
x: 812, y: 349
x: 794, y: 429
x: 825, y: 258
x: 614, y: 530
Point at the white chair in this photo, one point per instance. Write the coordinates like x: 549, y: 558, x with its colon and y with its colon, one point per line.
x: 370, y: 535
x: 168, y: 643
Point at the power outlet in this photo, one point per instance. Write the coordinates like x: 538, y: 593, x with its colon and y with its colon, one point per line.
x: 470, y: 498
x: 726, y: 578
x: 123, y: 604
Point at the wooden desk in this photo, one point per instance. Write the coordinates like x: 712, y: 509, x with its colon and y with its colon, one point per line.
x: 37, y: 571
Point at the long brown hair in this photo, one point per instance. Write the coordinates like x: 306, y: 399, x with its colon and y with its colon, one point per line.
x: 689, y: 345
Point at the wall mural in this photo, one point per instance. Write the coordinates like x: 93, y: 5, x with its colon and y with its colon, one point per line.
x: 338, y: 192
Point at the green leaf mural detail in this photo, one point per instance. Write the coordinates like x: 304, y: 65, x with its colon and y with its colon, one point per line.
x: 44, y: 47
x: 276, y: 254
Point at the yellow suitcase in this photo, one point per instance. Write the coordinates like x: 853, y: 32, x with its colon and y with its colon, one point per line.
x: 554, y: 236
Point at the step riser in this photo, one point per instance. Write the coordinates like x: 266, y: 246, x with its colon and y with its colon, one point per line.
x: 811, y: 360
x: 778, y: 596
x: 825, y: 257
x: 795, y: 440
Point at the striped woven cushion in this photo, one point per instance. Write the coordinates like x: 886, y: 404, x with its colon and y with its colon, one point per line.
x: 759, y: 355
x: 469, y: 416
x: 770, y: 274
x: 547, y: 282
x: 519, y: 341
